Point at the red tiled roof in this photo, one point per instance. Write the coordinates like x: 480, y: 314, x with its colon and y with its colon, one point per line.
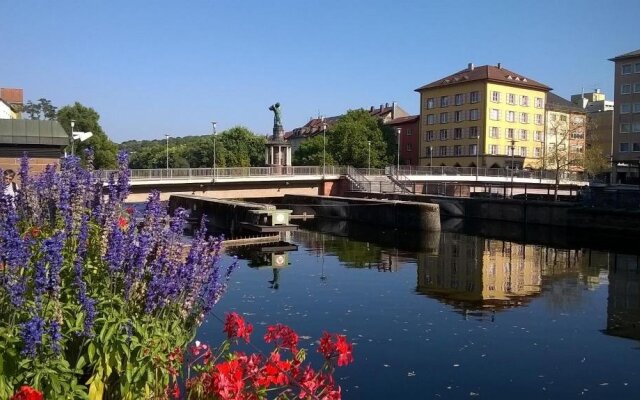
x: 402, y: 120
x: 488, y: 73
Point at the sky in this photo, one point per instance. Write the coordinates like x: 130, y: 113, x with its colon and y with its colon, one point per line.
x: 151, y: 68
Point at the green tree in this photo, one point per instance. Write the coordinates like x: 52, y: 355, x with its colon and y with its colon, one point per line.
x: 310, y: 152
x: 241, y: 147
x: 43, y: 109
x: 348, y: 140
x: 86, y: 120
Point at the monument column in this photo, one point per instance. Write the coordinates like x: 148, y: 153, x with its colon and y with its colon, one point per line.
x: 277, y: 146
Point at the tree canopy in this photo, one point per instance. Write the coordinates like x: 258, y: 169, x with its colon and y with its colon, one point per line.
x: 43, y: 109
x: 235, y: 147
x: 347, y: 143
x: 86, y: 120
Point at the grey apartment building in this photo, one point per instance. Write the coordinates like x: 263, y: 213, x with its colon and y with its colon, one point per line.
x: 626, y: 120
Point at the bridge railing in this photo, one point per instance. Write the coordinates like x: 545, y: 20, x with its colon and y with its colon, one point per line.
x: 409, y: 171
x: 222, y: 173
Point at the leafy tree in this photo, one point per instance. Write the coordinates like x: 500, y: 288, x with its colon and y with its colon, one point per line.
x: 243, y: 148
x: 310, y: 152
x: 86, y: 120
x: 561, y: 157
x: 348, y: 140
x: 43, y: 109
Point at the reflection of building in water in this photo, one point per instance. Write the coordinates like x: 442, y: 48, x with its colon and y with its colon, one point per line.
x: 623, y: 306
x: 477, y: 273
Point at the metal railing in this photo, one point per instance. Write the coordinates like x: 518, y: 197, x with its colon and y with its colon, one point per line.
x: 406, y: 171
x: 359, y: 182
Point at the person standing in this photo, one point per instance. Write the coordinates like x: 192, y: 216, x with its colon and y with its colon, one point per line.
x: 10, y: 188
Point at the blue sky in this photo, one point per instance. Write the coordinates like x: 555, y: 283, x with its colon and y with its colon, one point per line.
x: 156, y: 67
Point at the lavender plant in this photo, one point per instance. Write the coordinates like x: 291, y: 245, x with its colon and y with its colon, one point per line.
x: 94, y: 294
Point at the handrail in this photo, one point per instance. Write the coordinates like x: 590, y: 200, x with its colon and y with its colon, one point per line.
x: 406, y: 172
x: 358, y: 180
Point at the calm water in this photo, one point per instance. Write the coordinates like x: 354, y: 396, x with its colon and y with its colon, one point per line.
x: 452, y: 315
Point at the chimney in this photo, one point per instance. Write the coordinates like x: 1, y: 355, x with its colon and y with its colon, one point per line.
x: 470, y: 67
x: 371, y: 109
x: 499, y: 66
x: 386, y: 105
x: 380, y: 107
x: 597, y: 90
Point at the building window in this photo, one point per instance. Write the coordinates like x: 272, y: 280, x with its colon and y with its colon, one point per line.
x: 493, y: 149
x: 473, y: 149
x: 523, y: 151
x: 624, y: 147
x: 537, y: 136
x: 444, y: 101
x: 459, y: 99
x: 429, y: 136
x: 523, y: 134
x: 524, y: 118
x: 636, y: 147
x: 431, y: 119
x: 511, y: 98
x: 538, y: 119
x: 625, y: 108
x: 636, y: 107
x: 474, y: 115
x: 443, y: 134
x: 430, y: 103
x: 625, y: 89
x: 636, y: 127
x: 539, y: 103
x: 409, y: 147
x: 627, y: 69
x: 409, y: 133
x: 458, y: 116
x: 457, y: 133
x: 443, y: 150
x: 509, y: 150
x: 510, y: 133
x: 457, y: 150
x: 444, y: 118
x: 511, y: 116
x: 495, y: 132
x: 524, y: 101
x: 553, y: 117
x: 563, y: 118
x: 474, y: 97
x: 625, y: 128
x: 537, y: 152
x: 637, y: 68
x: 495, y: 97
x: 473, y: 132
x: 494, y: 114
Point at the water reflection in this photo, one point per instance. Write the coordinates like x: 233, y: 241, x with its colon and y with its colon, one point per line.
x: 623, y: 305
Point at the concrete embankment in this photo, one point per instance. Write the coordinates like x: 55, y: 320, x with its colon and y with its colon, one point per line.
x: 561, y: 214
x: 419, y: 216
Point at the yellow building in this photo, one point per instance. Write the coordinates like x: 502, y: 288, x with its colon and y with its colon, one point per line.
x: 483, y: 116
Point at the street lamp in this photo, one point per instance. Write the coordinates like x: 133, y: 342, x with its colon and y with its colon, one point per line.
x: 477, y: 153
x: 369, y: 159
x: 73, y: 142
x: 213, y: 125
x: 513, y: 153
x: 398, y: 135
x: 324, y: 146
x: 431, y: 158
x: 167, y: 136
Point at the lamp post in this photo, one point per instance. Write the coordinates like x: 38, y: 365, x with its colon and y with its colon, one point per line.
x: 73, y: 142
x: 324, y: 146
x: 213, y: 125
x: 431, y: 158
x: 513, y: 153
x: 167, y: 136
x: 369, y: 159
x: 477, y: 153
x: 398, y: 135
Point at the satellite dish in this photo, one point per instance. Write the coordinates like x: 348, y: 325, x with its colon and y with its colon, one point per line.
x: 82, y: 136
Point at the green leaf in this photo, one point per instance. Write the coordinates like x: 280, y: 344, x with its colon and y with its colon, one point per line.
x: 91, y: 350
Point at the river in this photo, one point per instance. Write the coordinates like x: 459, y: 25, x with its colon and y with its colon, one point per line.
x: 451, y: 315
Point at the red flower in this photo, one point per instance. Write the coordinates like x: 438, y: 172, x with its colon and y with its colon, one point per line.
x: 33, y: 233
x: 176, y: 391
x: 27, y: 393
x: 228, y: 380
x: 122, y: 222
x: 130, y: 210
x: 236, y: 327
x: 340, y: 348
x: 283, y: 336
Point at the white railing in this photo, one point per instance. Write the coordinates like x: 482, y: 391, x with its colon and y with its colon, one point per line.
x: 411, y: 172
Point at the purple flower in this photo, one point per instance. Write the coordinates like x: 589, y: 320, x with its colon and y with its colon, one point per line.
x: 31, y: 333
x: 55, y: 335
x: 53, y: 257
